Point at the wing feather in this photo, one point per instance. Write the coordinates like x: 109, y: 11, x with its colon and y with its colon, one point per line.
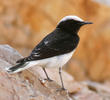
x: 54, y: 44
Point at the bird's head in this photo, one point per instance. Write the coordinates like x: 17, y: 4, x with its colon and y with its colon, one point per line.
x: 71, y: 23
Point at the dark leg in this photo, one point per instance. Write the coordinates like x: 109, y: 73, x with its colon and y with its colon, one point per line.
x: 61, y: 79
x: 46, y: 74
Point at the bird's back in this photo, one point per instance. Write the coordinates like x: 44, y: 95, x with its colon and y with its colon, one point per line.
x: 56, y: 43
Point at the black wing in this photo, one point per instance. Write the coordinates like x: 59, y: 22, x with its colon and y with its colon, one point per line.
x: 54, y: 44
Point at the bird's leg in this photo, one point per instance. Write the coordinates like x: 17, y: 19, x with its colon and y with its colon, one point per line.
x: 61, y: 79
x: 46, y: 74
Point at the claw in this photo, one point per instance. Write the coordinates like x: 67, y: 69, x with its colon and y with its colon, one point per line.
x: 61, y: 89
x: 48, y: 79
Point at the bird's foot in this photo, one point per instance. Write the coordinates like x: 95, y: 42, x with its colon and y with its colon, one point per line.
x: 48, y: 79
x: 61, y: 89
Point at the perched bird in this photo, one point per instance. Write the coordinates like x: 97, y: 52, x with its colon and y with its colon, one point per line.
x: 55, y: 49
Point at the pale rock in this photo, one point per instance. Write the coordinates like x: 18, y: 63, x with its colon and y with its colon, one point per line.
x: 30, y: 84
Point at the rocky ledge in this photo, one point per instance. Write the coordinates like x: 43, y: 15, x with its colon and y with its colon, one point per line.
x: 29, y: 84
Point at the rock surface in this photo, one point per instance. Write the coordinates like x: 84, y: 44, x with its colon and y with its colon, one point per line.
x: 29, y: 84
x: 26, y: 85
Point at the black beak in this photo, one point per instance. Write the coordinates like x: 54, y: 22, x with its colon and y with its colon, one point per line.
x: 85, y: 22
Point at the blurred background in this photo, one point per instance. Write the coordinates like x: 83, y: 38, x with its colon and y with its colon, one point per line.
x: 23, y: 23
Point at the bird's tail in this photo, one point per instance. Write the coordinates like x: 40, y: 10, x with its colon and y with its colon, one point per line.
x: 17, y: 68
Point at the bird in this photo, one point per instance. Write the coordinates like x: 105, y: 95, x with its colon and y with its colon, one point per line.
x: 54, y: 50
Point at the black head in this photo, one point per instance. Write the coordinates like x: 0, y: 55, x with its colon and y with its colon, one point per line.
x: 71, y: 24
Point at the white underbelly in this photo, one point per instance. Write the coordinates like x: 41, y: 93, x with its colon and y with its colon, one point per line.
x: 57, y: 61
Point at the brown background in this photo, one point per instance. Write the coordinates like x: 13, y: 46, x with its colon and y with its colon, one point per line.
x: 23, y: 23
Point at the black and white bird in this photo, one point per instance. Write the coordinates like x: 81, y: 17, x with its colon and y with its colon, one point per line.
x: 55, y: 49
